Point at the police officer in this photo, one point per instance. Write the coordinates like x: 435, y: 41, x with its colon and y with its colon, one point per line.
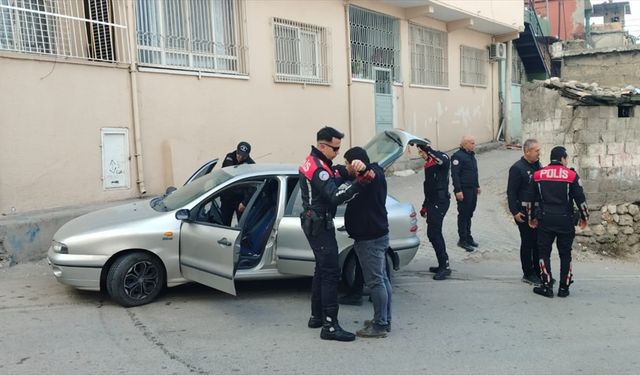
x: 558, y: 188
x: 436, y: 204
x: 235, y: 200
x: 464, y: 173
x: 520, y: 196
x: 320, y: 197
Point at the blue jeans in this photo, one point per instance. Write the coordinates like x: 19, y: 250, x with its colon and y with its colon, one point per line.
x: 373, y: 260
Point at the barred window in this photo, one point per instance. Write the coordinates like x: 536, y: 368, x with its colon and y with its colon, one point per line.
x: 429, y: 56
x: 375, y: 42
x: 518, y: 74
x: 301, y: 52
x: 89, y: 29
x: 473, y: 66
x: 202, y: 35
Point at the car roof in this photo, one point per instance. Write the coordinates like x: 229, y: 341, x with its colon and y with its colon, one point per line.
x: 261, y: 169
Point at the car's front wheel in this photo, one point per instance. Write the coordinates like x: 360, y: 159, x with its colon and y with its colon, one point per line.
x: 135, y: 279
x: 349, y: 269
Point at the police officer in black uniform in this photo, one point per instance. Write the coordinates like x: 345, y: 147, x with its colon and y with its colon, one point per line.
x: 320, y: 196
x: 466, y: 187
x: 436, y: 204
x: 520, y: 196
x: 558, y: 188
x: 235, y: 200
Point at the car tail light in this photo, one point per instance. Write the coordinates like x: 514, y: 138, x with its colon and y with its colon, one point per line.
x: 413, y: 214
x: 413, y: 229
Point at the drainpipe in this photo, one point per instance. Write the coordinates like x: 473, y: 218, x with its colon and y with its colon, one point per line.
x: 349, y: 80
x: 134, y: 99
x: 507, y: 94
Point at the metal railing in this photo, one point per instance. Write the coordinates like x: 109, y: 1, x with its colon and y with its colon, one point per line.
x: 201, y: 35
x: 429, y: 56
x: 375, y: 42
x: 94, y: 30
x: 302, y: 52
x: 538, y: 35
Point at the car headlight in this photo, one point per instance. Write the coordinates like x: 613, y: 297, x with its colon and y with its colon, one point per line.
x: 59, y: 247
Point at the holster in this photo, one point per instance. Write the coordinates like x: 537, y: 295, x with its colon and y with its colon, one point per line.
x: 312, y: 223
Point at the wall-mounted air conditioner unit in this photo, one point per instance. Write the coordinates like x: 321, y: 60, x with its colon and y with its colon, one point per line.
x: 497, y: 51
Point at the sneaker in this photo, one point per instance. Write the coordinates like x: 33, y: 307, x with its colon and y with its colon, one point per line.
x: 543, y: 291
x: 373, y: 330
x: 442, y: 274
x: 466, y: 246
x: 473, y: 243
x: 563, y: 292
x: 314, y: 322
x: 335, y: 332
x: 369, y: 322
x: 351, y: 299
x: 531, y: 280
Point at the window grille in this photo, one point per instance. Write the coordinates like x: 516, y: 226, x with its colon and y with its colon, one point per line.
x: 473, y: 66
x: 518, y: 75
x: 93, y: 30
x: 375, y: 42
x: 301, y: 52
x: 202, y: 35
x: 429, y: 56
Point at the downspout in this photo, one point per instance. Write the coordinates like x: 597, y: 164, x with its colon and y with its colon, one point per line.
x: 133, y: 68
x: 507, y: 93
x: 349, y: 80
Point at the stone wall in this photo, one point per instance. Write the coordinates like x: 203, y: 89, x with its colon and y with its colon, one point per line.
x: 618, y: 68
x: 604, y: 149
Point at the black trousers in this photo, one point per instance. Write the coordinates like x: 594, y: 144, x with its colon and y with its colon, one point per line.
x: 466, y: 207
x: 435, y: 215
x: 529, y: 256
x: 564, y: 241
x: 229, y: 206
x: 324, y: 286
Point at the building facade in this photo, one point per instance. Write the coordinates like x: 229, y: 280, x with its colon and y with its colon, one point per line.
x: 106, y: 100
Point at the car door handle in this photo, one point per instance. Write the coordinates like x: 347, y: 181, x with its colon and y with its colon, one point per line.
x: 224, y: 241
x: 342, y: 229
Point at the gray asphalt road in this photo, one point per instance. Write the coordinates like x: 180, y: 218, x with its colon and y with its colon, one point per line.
x: 482, y: 321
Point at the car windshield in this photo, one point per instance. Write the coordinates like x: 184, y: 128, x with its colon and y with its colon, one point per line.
x: 191, y: 191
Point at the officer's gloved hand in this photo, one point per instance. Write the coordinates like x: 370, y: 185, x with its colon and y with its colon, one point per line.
x: 423, y: 212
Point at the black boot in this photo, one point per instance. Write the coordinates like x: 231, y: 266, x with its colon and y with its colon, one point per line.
x: 331, y: 330
x: 314, y: 322
x: 544, y: 290
x: 563, y: 290
x: 442, y: 274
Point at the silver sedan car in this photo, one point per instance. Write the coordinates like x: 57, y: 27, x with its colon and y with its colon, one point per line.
x: 133, y: 251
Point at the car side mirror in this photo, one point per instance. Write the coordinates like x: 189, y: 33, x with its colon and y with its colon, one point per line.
x: 182, y: 214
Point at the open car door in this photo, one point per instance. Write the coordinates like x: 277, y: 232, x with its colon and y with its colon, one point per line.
x: 388, y: 146
x: 209, y: 252
x: 202, y: 171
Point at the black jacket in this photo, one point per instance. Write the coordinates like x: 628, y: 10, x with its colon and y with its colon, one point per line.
x: 520, y: 186
x: 464, y: 170
x: 366, y: 214
x: 319, y: 185
x: 558, y: 188
x: 436, y: 177
x: 231, y: 159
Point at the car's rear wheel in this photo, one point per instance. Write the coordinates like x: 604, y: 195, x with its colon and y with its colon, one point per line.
x: 349, y: 269
x: 135, y: 279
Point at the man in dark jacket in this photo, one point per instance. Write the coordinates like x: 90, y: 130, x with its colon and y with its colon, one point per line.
x: 466, y: 187
x: 520, y: 196
x: 558, y: 188
x: 235, y: 200
x: 320, y: 197
x: 436, y: 205
x: 366, y: 222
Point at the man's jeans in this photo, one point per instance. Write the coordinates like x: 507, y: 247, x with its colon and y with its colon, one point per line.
x: 372, y: 256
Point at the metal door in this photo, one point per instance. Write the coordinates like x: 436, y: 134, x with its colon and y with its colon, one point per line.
x: 383, y: 100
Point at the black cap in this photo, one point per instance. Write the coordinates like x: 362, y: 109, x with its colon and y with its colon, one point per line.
x: 243, y: 149
x: 558, y: 153
x: 357, y: 153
